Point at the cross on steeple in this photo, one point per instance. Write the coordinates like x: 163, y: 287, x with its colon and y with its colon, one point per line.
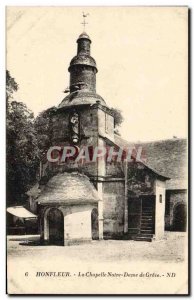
x: 84, y: 19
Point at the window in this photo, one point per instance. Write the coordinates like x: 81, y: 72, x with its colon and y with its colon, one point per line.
x: 160, y: 198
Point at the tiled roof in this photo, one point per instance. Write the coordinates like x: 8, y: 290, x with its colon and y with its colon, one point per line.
x: 167, y: 157
x: 68, y: 188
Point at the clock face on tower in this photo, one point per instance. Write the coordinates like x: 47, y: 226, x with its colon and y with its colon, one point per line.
x: 74, y: 127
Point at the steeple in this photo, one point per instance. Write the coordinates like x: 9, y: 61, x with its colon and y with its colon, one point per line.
x: 83, y: 42
x: 83, y: 67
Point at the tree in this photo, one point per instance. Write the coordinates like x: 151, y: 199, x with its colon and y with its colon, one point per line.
x: 22, y: 150
x: 11, y: 86
x: 43, y: 128
x: 118, y: 118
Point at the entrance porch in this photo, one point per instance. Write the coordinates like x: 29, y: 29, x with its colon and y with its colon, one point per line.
x: 141, y: 218
x: 146, y: 203
x: 68, y: 210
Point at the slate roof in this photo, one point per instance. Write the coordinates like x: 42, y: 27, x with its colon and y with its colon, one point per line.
x: 83, y: 59
x: 121, y: 142
x: 167, y: 157
x: 81, y: 97
x: 68, y: 188
x: 84, y: 35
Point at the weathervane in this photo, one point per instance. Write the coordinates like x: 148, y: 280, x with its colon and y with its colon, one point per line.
x: 84, y: 19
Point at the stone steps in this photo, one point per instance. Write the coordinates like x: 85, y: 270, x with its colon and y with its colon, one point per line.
x: 146, y: 231
x: 143, y: 239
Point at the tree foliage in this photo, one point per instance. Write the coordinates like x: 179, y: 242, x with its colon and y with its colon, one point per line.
x: 118, y: 118
x: 11, y: 86
x: 22, y: 150
x: 43, y: 128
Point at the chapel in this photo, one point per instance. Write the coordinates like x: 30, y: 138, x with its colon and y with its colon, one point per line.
x: 79, y: 202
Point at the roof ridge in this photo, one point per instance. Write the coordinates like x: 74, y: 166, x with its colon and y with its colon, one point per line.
x: 151, y: 141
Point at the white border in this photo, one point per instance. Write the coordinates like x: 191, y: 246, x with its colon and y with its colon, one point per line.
x: 3, y: 5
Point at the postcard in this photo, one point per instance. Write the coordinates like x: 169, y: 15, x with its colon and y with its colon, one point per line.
x: 97, y: 150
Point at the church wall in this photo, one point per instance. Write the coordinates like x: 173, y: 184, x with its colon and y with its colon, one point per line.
x: 92, y: 121
x: 105, y: 124
x: 60, y: 126
x: 101, y: 164
x: 88, y: 125
x: 114, y: 169
x: 113, y: 209
x: 88, y: 137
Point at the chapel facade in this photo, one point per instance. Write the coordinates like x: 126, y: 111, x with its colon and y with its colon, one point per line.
x: 99, y: 199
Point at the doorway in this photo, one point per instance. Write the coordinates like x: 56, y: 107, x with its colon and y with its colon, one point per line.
x: 56, y: 227
x: 141, y: 215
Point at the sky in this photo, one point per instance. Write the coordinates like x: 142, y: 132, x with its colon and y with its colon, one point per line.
x: 141, y: 55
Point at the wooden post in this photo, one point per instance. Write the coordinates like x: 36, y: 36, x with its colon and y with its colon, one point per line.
x: 100, y: 210
x: 40, y: 171
x: 126, y: 197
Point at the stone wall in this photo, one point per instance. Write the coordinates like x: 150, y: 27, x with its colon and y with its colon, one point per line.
x: 93, y: 121
x: 77, y: 223
x: 60, y: 127
x: 114, y: 169
x: 173, y: 198
x: 85, y: 74
x: 88, y: 137
x: 105, y: 124
x: 113, y: 209
x: 88, y: 124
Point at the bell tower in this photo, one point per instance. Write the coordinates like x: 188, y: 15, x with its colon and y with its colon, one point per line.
x: 83, y: 120
x: 83, y: 67
x: 85, y: 114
